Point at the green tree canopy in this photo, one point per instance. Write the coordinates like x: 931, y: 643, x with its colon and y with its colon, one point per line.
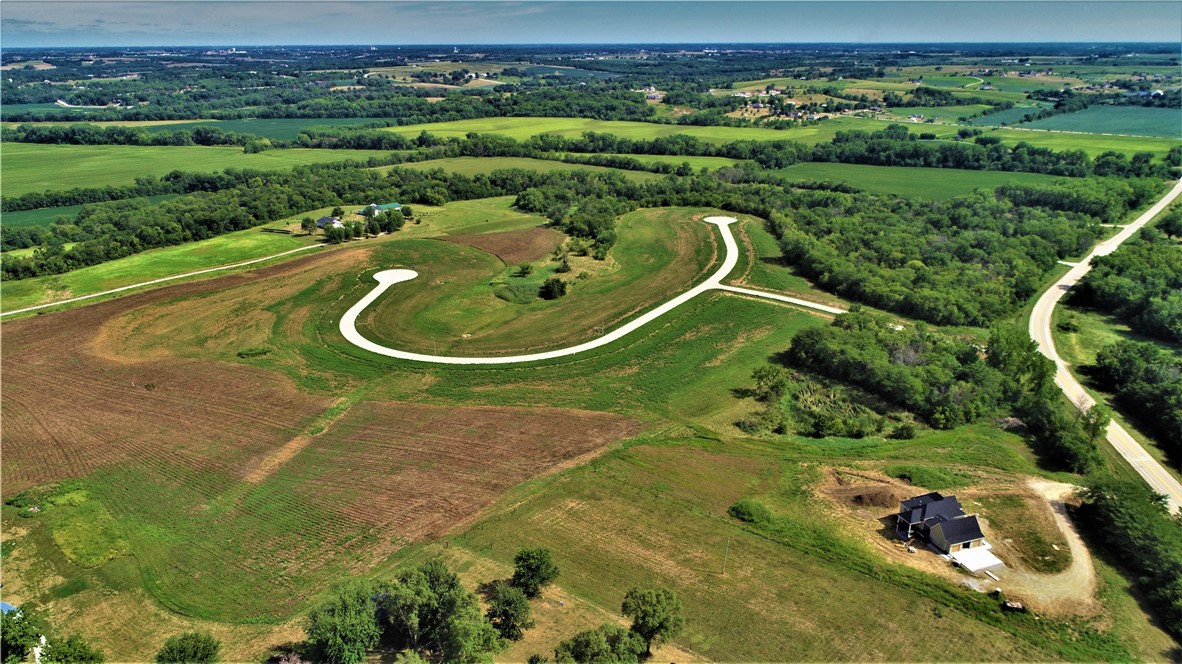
x: 18, y: 634
x: 189, y: 648
x: 533, y: 569
x: 655, y: 613
x: 71, y: 650
x: 344, y: 626
x: 607, y: 644
x: 427, y: 610
x: 508, y: 610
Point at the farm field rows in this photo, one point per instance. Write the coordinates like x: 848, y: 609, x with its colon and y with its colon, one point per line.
x: 29, y: 167
x: 1134, y: 120
x: 930, y: 183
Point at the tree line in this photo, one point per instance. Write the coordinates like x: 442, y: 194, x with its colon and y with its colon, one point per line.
x: 1142, y: 283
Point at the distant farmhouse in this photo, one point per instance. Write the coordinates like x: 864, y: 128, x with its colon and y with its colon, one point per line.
x: 373, y: 208
x: 325, y: 222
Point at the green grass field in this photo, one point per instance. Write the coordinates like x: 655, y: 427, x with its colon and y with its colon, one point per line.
x: 154, y: 264
x: 483, y: 165
x: 29, y: 167
x: 930, y: 183
x: 1129, y: 120
x: 43, y: 216
x: 522, y: 128
x: 942, y: 113
x: 697, y: 163
x: 452, y: 307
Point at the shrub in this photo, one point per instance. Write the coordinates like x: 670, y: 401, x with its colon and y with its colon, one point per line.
x: 189, y: 648
x: 552, y: 289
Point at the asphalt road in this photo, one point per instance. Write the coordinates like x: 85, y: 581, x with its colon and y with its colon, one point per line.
x: 1040, y: 330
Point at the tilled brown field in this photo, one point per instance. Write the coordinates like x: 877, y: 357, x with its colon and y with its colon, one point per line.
x: 419, y: 470
x: 232, y: 508
x: 513, y: 247
x: 68, y: 408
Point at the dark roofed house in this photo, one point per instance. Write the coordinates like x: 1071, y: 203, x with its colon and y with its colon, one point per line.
x: 956, y: 534
x: 324, y: 222
x: 917, y: 515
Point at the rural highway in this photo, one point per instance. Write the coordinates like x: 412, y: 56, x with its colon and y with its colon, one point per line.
x: 160, y: 281
x: 388, y: 278
x: 1040, y: 330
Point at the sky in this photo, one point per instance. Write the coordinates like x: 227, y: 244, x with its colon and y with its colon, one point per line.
x: 263, y: 22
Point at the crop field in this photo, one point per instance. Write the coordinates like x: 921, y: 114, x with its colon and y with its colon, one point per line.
x: 930, y: 183
x: 1132, y: 120
x: 483, y: 165
x: 944, y: 113
x: 523, y: 128
x: 280, y: 128
x: 28, y: 167
x: 514, y: 247
x: 236, y: 450
x: 44, y: 216
x: 453, y: 307
x: 1008, y: 116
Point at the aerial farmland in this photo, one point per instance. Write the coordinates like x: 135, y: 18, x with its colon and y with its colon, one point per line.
x: 593, y: 352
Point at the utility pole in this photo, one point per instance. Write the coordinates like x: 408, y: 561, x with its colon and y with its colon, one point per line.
x: 726, y: 556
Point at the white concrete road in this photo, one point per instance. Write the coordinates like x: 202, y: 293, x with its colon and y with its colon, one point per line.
x: 1040, y: 330
x: 388, y: 278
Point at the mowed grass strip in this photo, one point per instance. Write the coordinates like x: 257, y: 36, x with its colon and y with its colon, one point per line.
x: 28, y: 167
x: 930, y: 183
x: 452, y: 307
x: 484, y: 165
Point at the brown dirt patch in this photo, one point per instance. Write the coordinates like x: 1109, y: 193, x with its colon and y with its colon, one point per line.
x: 418, y: 471
x: 513, y: 247
x: 73, y: 401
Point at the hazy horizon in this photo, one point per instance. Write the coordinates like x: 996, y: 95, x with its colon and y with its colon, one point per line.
x: 102, y: 24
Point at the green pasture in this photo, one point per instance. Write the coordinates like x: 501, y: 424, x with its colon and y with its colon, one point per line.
x: 523, y: 128
x: 930, y: 183
x: 44, y: 216
x: 27, y: 167
x: 484, y: 165
x: 453, y: 307
x: 280, y: 128
x: 1130, y: 120
x: 943, y: 113
x: 1008, y: 117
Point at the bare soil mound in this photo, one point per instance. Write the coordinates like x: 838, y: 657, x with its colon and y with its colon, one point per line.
x: 514, y: 247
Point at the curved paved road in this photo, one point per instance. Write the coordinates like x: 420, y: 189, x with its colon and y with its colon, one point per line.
x: 388, y: 278
x: 1040, y: 330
